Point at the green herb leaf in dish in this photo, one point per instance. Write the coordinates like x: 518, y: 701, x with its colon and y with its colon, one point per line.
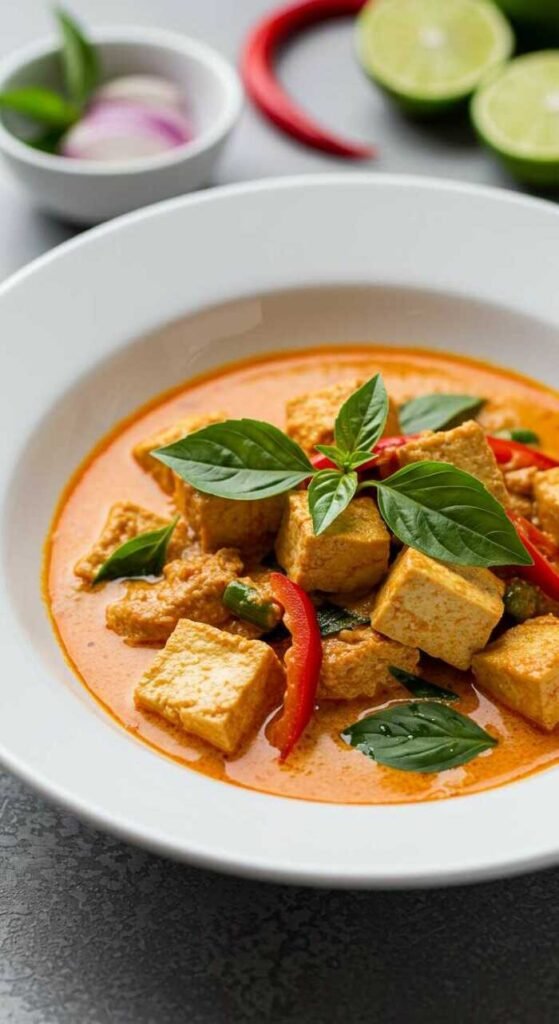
x: 144, y: 555
x: 419, y: 687
x: 361, y: 420
x: 332, y: 619
x: 437, y: 412
x: 448, y: 514
x: 239, y: 459
x: 330, y: 492
x: 419, y: 737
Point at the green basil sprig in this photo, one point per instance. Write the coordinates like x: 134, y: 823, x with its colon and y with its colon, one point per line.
x: 425, y: 737
x: 431, y: 506
x: 420, y: 687
x: 332, y: 619
x: 81, y: 73
x: 435, y: 412
x: 144, y: 555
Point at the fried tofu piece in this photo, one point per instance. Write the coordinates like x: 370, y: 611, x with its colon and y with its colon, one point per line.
x: 310, y: 417
x: 355, y: 663
x: 191, y: 588
x: 250, y: 526
x: 447, y: 611
x: 521, y: 668
x: 125, y: 521
x: 351, y: 554
x: 464, y: 447
x: 217, y: 686
x: 546, y: 494
x: 163, y: 475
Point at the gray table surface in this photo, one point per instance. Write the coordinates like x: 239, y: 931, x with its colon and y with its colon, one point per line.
x: 98, y: 932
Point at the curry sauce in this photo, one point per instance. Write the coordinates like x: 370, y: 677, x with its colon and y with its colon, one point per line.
x: 322, y: 767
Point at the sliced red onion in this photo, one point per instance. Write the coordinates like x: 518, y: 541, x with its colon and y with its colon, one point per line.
x: 148, y: 90
x: 114, y: 130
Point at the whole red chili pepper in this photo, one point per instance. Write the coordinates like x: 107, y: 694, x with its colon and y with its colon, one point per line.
x: 540, y: 548
x: 257, y: 68
x: 303, y: 661
x: 519, y: 455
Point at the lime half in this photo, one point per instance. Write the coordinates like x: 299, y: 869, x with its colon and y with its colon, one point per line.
x: 430, y: 54
x: 517, y: 114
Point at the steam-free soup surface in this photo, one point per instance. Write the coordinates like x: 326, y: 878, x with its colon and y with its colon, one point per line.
x: 323, y: 767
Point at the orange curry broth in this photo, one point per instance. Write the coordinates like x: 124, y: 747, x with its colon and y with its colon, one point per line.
x: 323, y: 767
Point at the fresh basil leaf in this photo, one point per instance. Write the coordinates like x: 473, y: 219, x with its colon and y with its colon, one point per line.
x: 420, y: 687
x: 361, y: 419
x: 332, y: 619
x: 332, y: 452
x: 239, y: 459
x: 144, y: 555
x: 448, y: 514
x: 330, y: 492
x: 40, y: 105
x: 356, y: 459
x: 426, y: 737
x: 434, y: 412
x: 520, y: 434
x: 80, y: 61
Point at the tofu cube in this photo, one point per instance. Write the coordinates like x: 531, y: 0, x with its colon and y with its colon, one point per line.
x: 212, y: 684
x: 250, y: 526
x: 355, y: 663
x: 447, y: 611
x: 464, y: 447
x: 351, y: 554
x: 310, y: 417
x: 521, y: 669
x: 163, y: 475
x: 546, y: 493
x: 124, y: 522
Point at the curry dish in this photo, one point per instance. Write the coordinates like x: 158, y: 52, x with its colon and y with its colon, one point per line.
x: 373, y: 620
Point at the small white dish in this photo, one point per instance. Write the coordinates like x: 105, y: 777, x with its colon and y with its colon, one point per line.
x: 107, y: 321
x: 88, y: 192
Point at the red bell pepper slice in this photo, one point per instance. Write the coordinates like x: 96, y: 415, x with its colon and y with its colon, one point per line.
x: 519, y: 455
x: 303, y: 661
x: 541, y: 548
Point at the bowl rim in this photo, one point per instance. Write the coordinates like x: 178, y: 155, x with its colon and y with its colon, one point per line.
x: 412, y: 854
x: 185, y: 46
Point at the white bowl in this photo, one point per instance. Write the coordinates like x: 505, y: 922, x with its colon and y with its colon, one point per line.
x: 87, y: 192
x: 98, y: 326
